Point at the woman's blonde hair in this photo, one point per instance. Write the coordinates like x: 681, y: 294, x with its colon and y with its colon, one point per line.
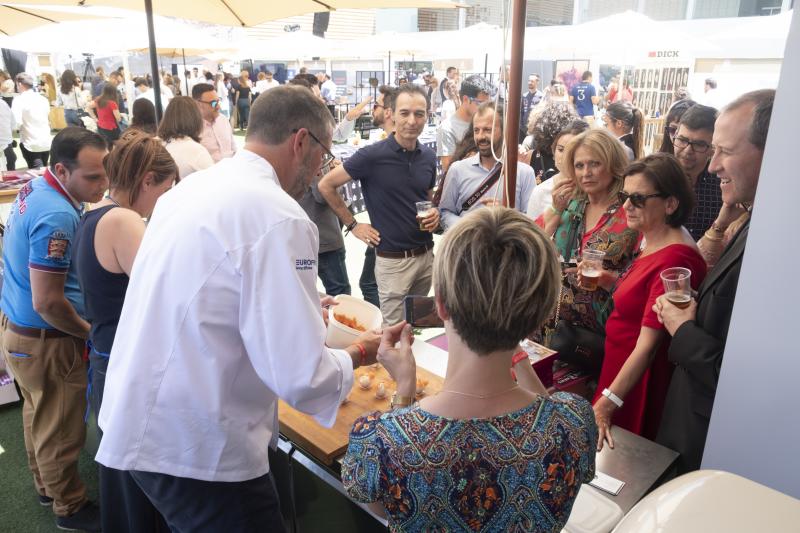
x: 498, y: 277
x: 606, y: 149
x: 134, y: 155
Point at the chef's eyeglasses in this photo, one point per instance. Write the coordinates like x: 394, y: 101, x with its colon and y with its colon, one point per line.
x: 638, y: 200
x: 327, y: 157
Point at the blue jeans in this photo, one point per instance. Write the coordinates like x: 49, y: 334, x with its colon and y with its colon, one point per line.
x: 71, y: 118
x: 244, y: 112
x: 367, y: 283
x: 333, y: 272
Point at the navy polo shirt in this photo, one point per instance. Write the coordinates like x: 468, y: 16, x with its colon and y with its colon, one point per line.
x: 393, y: 180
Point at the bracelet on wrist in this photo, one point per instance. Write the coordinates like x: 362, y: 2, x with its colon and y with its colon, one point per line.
x: 616, y: 400
x: 712, y: 236
x: 717, y: 228
x: 350, y: 227
x: 362, y: 354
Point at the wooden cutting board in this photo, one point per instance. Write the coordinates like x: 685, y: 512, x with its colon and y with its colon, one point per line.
x: 327, y: 444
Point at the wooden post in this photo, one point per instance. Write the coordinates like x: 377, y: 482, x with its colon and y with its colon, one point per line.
x: 514, y: 87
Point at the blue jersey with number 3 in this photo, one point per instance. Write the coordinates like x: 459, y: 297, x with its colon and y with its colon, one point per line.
x: 582, y: 94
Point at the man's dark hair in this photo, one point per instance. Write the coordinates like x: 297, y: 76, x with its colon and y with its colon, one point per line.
x: 451, y: 69
x: 668, y: 178
x: 389, y: 95
x: 69, y: 142
x: 409, y: 89
x: 475, y: 85
x: 300, y: 81
x: 140, y: 81
x: 711, y: 82
x: 485, y: 107
x: 201, y: 88
x: 281, y: 111
x: 268, y: 72
x: 209, y: 76
x: 311, y: 78
x: 761, y: 101
x: 699, y: 117
x: 586, y: 75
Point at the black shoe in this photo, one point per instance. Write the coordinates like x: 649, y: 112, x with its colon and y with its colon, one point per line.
x: 45, y: 501
x: 87, y: 518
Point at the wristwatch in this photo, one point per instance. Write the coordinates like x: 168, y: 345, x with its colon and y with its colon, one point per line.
x: 616, y: 400
x: 400, y: 401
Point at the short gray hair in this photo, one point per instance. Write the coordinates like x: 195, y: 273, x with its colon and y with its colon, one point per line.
x: 25, y: 79
x: 761, y: 102
x: 281, y: 111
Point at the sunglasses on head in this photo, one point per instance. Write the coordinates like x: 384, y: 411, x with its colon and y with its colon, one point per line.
x: 638, y: 200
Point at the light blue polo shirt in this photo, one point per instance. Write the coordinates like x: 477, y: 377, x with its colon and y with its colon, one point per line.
x: 39, y: 235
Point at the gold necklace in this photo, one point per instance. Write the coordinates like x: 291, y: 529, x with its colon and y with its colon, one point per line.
x: 480, y: 396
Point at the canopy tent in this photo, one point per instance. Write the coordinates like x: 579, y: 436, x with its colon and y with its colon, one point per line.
x: 296, y: 46
x: 17, y: 19
x: 606, y: 37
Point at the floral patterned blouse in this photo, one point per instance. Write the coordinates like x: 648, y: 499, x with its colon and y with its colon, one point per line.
x: 611, y: 234
x: 516, y: 472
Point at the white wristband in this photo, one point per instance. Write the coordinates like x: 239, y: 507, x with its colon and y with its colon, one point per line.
x: 613, y: 397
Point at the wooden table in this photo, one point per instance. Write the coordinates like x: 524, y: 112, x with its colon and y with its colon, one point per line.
x: 327, y: 444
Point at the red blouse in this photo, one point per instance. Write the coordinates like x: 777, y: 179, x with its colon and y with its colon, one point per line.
x: 634, y: 297
x: 105, y: 115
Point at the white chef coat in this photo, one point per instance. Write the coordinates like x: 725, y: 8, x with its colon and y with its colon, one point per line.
x: 32, y: 115
x: 221, y: 318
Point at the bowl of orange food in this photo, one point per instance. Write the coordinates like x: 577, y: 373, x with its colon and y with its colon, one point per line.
x: 350, y: 318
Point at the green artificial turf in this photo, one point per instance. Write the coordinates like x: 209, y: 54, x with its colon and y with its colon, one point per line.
x: 20, y: 511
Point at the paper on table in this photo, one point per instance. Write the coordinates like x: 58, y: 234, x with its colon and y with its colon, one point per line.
x: 607, y: 483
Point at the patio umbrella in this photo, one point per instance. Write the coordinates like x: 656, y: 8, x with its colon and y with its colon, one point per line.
x: 234, y: 13
x: 17, y: 19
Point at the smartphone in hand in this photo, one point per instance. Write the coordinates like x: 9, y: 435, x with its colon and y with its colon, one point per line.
x: 420, y: 312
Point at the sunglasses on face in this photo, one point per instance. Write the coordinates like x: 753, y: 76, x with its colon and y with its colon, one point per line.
x: 327, y: 157
x: 638, y: 200
x: 213, y: 103
x: 698, y: 147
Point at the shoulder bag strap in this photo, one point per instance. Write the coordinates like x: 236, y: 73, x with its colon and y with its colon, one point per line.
x: 483, y: 187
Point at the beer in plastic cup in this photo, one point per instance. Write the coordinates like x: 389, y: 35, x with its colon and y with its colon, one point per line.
x: 591, y: 268
x: 678, y: 286
x: 423, y: 210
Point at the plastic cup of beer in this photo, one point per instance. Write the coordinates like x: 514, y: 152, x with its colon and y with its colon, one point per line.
x: 591, y: 268
x: 678, y: 286
x: 423, y: 210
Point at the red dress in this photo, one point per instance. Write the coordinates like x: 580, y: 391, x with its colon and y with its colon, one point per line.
x: 634, y: 297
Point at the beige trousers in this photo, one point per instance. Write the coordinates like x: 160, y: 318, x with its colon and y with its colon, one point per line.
x: 398, y: 278
x: 51, y: 374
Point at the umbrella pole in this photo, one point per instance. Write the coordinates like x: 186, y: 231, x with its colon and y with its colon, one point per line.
x: 185, y: 77
x: 485, y: 65
x: 389, y: 69
x: 514, y: 84
x: 151, y: 36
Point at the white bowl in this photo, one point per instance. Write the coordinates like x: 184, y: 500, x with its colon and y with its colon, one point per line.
x: 341, y: 336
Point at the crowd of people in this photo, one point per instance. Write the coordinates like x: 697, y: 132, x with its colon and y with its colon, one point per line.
x: 177, y: 304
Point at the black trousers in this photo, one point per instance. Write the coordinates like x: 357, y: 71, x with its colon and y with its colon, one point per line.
x: 34, y: 159
x: 11, y: 157
x: 194, y: 506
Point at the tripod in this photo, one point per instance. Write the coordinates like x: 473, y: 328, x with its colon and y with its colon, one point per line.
x: 88, y: 68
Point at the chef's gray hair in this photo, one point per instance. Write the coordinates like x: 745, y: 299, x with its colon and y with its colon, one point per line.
x: 279, y: 112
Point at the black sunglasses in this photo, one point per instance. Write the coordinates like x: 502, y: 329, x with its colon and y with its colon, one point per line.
x: 638, y: 200
x: 328, y: 157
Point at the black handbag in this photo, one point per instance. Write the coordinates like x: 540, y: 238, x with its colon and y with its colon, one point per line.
x: 576, y: 345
